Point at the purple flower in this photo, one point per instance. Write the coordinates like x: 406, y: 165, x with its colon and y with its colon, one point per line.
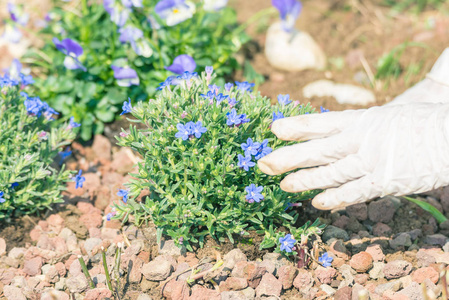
x: 17, y: 14
x: 254, y: 193
x: 123, y: 193
x: 127, y: 108
x: 2, y: 200
x: 182, y: 63
x: 263, y: 150
x: 165, y: 84
x: 119, y: 14
x: 236, y: 119
x: 287, y: 243
x: 12, y: 33
x: 284, y: 99
x: 245, y: 86
x: 129, y: 34
x: 221, y: 98
x: 131, y: 3
x: 184, y: 131
x: 125, y: 76
x: 289, y: 11
x: 72, y: 50
x: 214, y: 88
x: 250, y: 147
x: 232, y: 102
x: 109, y: 216
x: 277, y: 116
x: 79, y: 180
x: 73, y: 124
x: 228, y: 86
x: 209, y: 71
x: 209, y: 96
x: 245, y: 162
x: 325, y: 260
x: 323, y: 110
x: 198, y: 129
x: 244, y: 119
x: 174, y: 11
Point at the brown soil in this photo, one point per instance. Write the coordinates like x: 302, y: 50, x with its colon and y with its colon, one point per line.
x: 17, y: 232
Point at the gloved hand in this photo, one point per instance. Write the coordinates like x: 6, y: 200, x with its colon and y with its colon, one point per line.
x: 359, y: 155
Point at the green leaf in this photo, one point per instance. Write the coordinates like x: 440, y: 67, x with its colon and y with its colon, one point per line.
x: 429, y: 208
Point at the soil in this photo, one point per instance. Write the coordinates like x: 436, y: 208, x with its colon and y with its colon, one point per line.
x: 16, y: 232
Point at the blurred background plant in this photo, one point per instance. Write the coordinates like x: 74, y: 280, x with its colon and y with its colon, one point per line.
x: 97, y: 55
x: 200, y: 147
x: 30, y: 179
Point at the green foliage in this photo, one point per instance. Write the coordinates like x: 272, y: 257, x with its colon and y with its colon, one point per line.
x: 29, y: 179
x: 196, y: 187
x: 93, y: 97
x: 429, y: 208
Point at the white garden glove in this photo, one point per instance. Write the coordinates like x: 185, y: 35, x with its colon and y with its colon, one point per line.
x: 358, y: 155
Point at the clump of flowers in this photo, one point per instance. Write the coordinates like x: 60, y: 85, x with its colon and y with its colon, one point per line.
x: 200, y: 145
x: 99, y: 53
x: 29, y: 179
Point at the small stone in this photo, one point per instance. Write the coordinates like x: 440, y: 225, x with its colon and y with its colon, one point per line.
x: 53, y: 294
x: 144, y: 297
x: 376, y: 252
x: 358, y: 291
x: 341, y: 222
x: 394, y: 286
x: 361, y: 278
x: 201, y: 293
x: 338, y: 248
x: 377, y: 271
x: 77, y: 284
x: 361, y: 262
x: 269, y: 265
x: 102, y: 147
x: 402, y: 240
x: 98, y: 293
x: 286, y: 276
x: 249, y: 270
x: 90, y: 244
x: 232, y: 257
x: 397, y: 268
x: 123, y: 161
x: 33, y: 266
x: 344, y: 293
x: 233, y: 284
x: 16, y: 253
x: 354, y: 225
x: 13, y: 293
x: 233, y: 295
x: 327, y: 289
x: 348, y: 274
x: 169, y: 247
x: 2, y: 247
x: 157, y: 270
x: 413, y: 291
x: 55, y: 223
x: 415, y: 233
x: 420, y: 275
x: 381, y: 229
x: 446, y: 247
x: 269, y: 286
x: 358, y: 211
x: 334, y: 232
x: 303, y: 281
x: 436, y: 239
x: 325, y: 275
x: 381, y: 210
x: 136, y: 272
x: 91, y: 220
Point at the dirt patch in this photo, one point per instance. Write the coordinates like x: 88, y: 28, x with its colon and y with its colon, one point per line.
x: 17, y: 232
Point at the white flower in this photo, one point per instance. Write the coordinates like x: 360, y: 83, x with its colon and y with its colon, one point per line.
x: 214, y: 5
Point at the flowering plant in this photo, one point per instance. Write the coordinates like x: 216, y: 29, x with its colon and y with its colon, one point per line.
x: 99, y: 54
x: 200, y: 145
x: 30, y: 180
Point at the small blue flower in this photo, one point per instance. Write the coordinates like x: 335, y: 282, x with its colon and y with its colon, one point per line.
x: 165, y: 84
x: 263, y: 150
x: 125, y: 76
x: 325, y: 260
x: 254, y: 193
x: 244, y: 119
x: 221, y: 97
x: 287, y: 243
x: 2, y: 200
x: 188, y: 76
x: 182, y: 63
x: 123, y: 193
x: 198, y: 129
x: 209, y: 70
x: 323, y: 110
x: 236, y: 119
x: 214, y: 88
x: 109, y: 216
x: 209, y: 96
x: 64, y: 154
x: 245, y: 86
x: 278, y: 116
x: 232, y: 102
x: 72, y: 50
x: 73, y: 124
x: 245, y: 162
x: 127, y: 108
x: 14, y: 185
x: 228, y: 86
x: 284, y: 99
x: 79, y: 180
x: 174, y: 11
x: 289, y: 11
x: 250, y: 147
x: 130, y: 34
x: 184, y: 131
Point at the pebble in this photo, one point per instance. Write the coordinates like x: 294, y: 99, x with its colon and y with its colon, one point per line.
x: 421, y: 274
x: 77, y: 284
x: 325, y: 275
x: 157, y: 270
x: 169, y: 247
x: 303, y: 281
x: 361, y: 262
x: 334, y: 232
x: 13, y: 293
x: 425, y: 258
x: 233, y: 284
x: 394, y: 286
x: 397, y: 268
x: 2, y: 247
x: 33, y: 266
x: 343, y: 93
x: 402, y: 240
x: 344, y: 293
x: 91, y: 243
x: 377, y: 271
x: 286, y: 276
x: 358, y: 211
x: 295, y: 51
x: 53, y: 294
x: 269, y: 286
x: 339, y: 249
x: 436, y: 239
x: 376, y: 252
x: 348, y: 274
x: 144, y: 297
x: 381, y: 229
x: 381, y: 210
x: 101, y: 146
x: 327, y: 289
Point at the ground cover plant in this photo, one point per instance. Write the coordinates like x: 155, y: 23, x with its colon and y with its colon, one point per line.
x: 200, y: 147
x: 97, y: 55
x: 30, y: 180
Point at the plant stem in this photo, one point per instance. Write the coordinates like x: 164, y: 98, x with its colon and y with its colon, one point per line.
x: 118, y: 254
x: 106, y: 271
x: 86, y: 272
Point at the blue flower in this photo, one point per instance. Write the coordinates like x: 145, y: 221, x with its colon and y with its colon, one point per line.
x: 323, y: 110
x: 284, y: 99
x: 232, y: 102
x: 278, y: 116
x: 188, y: 76
x: 165, y: 84
x: 34, y: 106
x: 182, y: 63
x: 287, y: 243
x: 129, y: 34
x: 26, y: 79
x: 245, y: 162
x: 64, y: 154
x: 209, y: 96
x: 325, y: 260
x: 14, y: 185
x: 125, y: 76
x: 123, y: 193
x: 127, y: 108
x: 244, y: 119
x: 228, y: 86
x: 245, y: 86
x: 263, y: 150
x: 236, y: 119
x: 250, y: 147
x: 174, y: 11
x: 109, y: 216
x: 2, y: 200
x: 72, y: 50
x: 198, y: 129
x: 131, y: 3
x: 184, y: 131
x: 221, y: 97
x: 209, y: 70
x: 119, y: 14
x: 214, y: 88
x: 73, y: 124
x: 254, y: 193
x: 79, y: 180
x: 289, y: 11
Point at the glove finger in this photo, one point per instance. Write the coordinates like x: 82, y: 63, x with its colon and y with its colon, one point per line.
x: 357, y: 191
x: 332, y: 175
x: 309, y: 154
x: 314, y: 126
